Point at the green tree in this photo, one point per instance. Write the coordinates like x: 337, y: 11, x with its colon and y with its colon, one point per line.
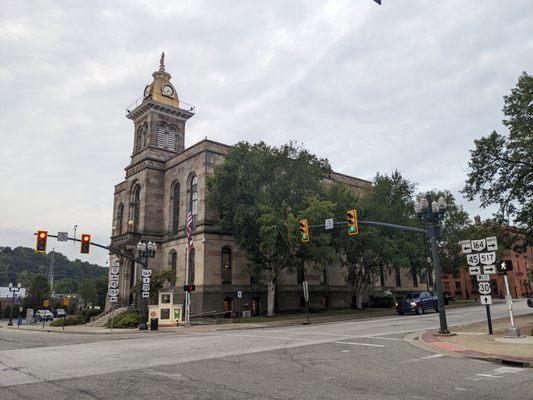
x: 261, y: 191
x: 38, y: 291
x: 87, y: 292
x: 501, y: 166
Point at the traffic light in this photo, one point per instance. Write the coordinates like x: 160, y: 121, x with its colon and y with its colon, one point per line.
x: 42, y: 237
x: 304, y: 230
x: 351, y: 217
x: 85, y: 243
x: 189, y: 288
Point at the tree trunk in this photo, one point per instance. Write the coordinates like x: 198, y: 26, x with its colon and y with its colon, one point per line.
x: 271, y: 299
x: 359, y: 299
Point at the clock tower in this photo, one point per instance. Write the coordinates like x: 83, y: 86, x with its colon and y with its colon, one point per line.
x: 159, y: 119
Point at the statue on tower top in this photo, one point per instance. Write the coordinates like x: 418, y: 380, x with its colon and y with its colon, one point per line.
x: 162, y: 62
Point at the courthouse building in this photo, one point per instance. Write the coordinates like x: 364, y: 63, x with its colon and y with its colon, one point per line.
x: 163, y: 182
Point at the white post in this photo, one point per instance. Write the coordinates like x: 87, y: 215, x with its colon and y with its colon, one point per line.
x: 508, y: 298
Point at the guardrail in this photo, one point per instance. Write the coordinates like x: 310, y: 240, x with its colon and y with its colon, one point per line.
x: 181, y: 105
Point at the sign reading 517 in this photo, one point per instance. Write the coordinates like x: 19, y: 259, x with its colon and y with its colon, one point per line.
x: 487, y: 258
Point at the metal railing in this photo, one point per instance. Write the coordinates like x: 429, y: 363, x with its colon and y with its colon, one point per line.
x: 181, y: 105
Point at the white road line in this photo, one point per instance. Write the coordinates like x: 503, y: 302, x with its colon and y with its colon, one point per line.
x: 430, y: 357
x: 271, y: 337
x: 362, y: 344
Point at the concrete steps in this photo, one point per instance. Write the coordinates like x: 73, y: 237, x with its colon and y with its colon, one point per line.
x: 102, y: 319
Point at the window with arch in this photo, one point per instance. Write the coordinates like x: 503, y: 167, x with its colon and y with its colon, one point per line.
x: 191, y: 267
x: 139, y: 140
x: 166, y: 136
x: 175, y: 208
x: 194, y: 198
x: 226, y: 266
x: 173, y: 261
x: 120, y: 219
x: 136, y: 207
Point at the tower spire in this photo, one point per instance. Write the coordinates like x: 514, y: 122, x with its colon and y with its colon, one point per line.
x: 162, y: 62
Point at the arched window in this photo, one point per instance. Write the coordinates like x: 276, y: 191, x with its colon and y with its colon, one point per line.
x: 136, y: 208
x: 191, y: 266
x: 226, y: 266
x: 194, y: 198
x: 161, y: 129
x: 120, y: 218
x: 139, y: 143
x: 173, y: 259
x: 171, y: 139
x: 175, y: 208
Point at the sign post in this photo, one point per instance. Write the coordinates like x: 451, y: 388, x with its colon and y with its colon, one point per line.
x: 512, y: 331
x: 480, y: 256
x: 113, y: 289
x: 305, y: 287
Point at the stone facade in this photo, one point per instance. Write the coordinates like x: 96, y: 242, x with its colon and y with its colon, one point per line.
x: 163, y: 182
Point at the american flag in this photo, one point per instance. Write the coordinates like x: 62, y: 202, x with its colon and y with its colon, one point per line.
x: 189, y: 230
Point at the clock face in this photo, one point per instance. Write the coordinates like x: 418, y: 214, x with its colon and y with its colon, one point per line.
x: 167, y: 90
x: 147, y: 91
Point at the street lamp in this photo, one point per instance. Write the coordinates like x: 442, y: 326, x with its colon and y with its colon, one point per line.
x: 432, y: 212
x: 145, y: 250
x: 13, y: 289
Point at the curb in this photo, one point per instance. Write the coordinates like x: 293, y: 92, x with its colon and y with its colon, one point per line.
x: 419, y: 339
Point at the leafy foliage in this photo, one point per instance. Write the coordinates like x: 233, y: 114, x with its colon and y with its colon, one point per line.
x: 126, y: 320
x: 501, y: 166
x: 261, y: 191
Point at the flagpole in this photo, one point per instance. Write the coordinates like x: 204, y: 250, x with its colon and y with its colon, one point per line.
x: 187, y: 294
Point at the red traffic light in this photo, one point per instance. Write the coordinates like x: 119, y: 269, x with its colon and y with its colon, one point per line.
x: 42, y: 238
x: 85, y: 243
x: 189, y: 288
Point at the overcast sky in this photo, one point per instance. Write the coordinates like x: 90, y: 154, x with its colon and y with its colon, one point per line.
x: 407, y: 85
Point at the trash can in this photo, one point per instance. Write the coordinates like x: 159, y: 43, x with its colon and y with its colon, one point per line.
x: 154, y: 324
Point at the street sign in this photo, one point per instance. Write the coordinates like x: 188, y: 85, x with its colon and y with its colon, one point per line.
x: 113, y: 292
x: 146, y: 273
x: 492, y: 243
x: 66, y: 301
x: 475, y: 270
x: 62, y: 236
x: 329, y: 223
x: 483, y: 278
x: 114, y: 270
x: 46, y: 303
x: 466, y: 247
x: 489, y: 269
x: 113, y: 299
x: 146, y: 280
x: 487, y: 258
x: 484, y: 287
x: 146, y: 294
x: 472, y: 259
x: 478, y: 245
x: 306, y: 290
x: 113, y: 284
x: 239, y: 294
x: 485, y: 300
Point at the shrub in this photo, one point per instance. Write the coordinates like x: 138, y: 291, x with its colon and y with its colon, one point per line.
x: 126, y: 320
x: 69, y: 320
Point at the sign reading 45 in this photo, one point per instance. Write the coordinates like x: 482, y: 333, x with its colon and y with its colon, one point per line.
x: 472, y: 259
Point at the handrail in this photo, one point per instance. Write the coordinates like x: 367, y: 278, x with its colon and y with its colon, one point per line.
x: 181, y: 105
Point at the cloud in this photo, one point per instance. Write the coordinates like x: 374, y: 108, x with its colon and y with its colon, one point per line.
x: 406, y: 86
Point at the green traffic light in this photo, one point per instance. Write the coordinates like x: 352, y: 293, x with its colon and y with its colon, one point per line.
x: 352, y: 228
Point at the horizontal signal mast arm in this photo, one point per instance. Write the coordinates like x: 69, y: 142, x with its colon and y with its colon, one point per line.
x: 380, y: 224
x: 110, y: 249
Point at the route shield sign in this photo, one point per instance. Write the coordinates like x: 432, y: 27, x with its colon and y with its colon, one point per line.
x: 487, y: 258
x: 472, y: 259
x: 485, y: 300
x: 466, y: 247
x: 492, y: 243
x: 484, y: 288
x: 483, y: 278
x: 478, y: 245
x: 475, y: 270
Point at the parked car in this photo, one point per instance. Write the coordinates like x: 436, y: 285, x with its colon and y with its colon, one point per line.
x: 530, y: 301
x: 417, y: 303
x: 44, y: 315
x: 60, y: 313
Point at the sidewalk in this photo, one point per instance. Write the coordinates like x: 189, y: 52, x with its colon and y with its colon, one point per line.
x: 473, y: 341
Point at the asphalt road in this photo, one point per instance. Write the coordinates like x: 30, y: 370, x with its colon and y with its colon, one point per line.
x: 364, y: 359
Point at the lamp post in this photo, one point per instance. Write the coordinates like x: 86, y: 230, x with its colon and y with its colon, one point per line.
x: 145, y: 250
x: 13, y: 289
x: 432, y: 213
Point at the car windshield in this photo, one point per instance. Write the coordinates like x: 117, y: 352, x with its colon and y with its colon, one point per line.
x: 411, y: 295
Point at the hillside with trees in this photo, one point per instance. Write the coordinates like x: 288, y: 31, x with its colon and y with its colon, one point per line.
x: 23, y: 264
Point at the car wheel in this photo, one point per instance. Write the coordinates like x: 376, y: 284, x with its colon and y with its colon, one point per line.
x: 419, y: 310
